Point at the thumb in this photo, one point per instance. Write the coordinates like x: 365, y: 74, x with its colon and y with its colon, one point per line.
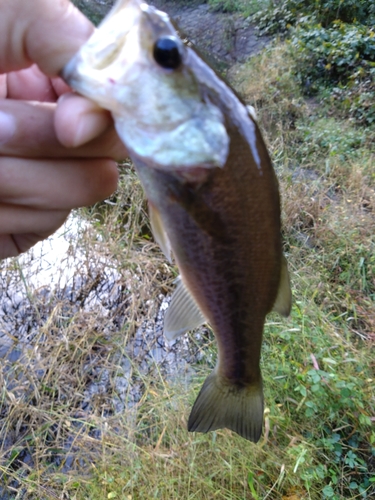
x: 45, y: 32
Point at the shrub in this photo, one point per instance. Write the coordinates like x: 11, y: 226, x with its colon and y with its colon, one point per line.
x: 279, y: 15
x: 336, y: 53
x: 342, y: 58
x: 225, y: 5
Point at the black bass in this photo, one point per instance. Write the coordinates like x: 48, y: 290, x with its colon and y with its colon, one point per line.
x: 213, y: 196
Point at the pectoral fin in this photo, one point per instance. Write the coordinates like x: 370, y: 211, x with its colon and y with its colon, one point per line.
x: 159, y: 232
x: 183, y: 313
x: 283, y: 302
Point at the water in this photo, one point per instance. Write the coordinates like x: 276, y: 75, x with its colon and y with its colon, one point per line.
x: 70, y: 272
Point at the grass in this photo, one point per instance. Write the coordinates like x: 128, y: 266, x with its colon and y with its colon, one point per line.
x: 62, y: 439
x: 246, y: 7
x: 325, y: 166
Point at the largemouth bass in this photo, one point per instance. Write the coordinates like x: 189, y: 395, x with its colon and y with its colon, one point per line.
x: 213, y: 196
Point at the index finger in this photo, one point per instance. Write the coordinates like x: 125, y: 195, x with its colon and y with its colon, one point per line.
x: 45, y: 32
x: 37, y: 129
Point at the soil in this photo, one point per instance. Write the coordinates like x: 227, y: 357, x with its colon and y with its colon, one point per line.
x: 229, y: 38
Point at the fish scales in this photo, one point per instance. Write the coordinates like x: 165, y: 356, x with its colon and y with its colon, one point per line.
x: 231, y: 267
x: 213, y: 197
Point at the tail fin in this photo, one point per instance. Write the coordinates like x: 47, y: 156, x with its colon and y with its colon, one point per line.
x: 221, y: 404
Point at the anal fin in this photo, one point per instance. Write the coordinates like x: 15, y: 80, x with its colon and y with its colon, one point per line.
x: 183, y: 313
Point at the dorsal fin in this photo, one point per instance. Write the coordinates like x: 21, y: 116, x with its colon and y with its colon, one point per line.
x: 283, y: 302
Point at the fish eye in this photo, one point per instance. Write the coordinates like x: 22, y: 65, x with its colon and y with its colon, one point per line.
x: 167, y: 53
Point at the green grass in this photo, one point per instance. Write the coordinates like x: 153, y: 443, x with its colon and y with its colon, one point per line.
x: 318, y: 365
x: 247, y: 7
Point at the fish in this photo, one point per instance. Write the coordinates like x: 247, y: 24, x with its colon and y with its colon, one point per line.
x: 212, y: 191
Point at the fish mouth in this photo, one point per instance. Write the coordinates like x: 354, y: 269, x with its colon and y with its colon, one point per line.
x: 108, y: 58
x: 85, y: 71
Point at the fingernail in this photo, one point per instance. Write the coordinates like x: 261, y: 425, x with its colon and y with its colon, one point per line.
x: 89, y: 125
x: 7, y: 127
x: 83, y: 132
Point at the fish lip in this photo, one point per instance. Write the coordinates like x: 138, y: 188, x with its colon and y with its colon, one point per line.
x: 71, y: 75
x: 69, y: 70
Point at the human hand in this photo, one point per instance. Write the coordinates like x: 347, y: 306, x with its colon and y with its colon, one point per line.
x: 56, y: 148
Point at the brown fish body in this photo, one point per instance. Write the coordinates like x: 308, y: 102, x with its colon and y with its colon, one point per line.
x: 225, y: 236
x: 212, y: 191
